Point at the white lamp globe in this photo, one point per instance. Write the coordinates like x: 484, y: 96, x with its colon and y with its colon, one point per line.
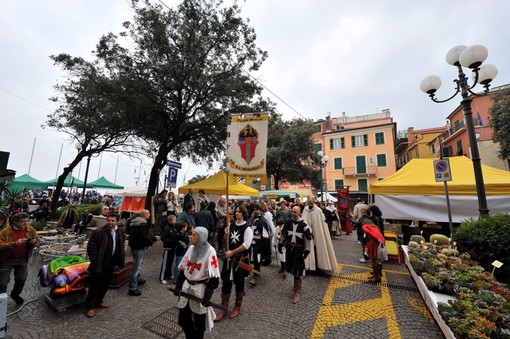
x: 453, y: 55
x: 430, y: 84
x: 473, y: 56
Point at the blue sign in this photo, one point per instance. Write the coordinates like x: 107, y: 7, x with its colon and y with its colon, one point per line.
x: 173, y: 169
x: 174, y: 164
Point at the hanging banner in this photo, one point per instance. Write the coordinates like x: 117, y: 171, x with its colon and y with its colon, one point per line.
x: 342, y: 195
x: 343, y: 200
x: 247, y: 145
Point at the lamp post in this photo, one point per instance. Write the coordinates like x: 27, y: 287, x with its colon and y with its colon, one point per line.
x: 91, y: 145
x: 324, y: 161
x: 470, y: 57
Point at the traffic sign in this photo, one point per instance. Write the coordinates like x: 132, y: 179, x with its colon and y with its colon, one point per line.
x: 442, y: 170
x: 173, y: 169
x: 174, y: 164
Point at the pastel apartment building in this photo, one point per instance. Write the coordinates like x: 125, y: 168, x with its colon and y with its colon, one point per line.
x: 361, y: 150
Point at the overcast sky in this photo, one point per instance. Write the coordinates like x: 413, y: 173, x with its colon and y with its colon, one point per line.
x: 336, y: 56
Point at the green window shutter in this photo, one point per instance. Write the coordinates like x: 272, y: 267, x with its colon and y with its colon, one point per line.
x: 353, y: 141
x: 342, y: 142
x: 339, y: 183
x: 338, y: 163
x: 365, y: 139
x: 381, y: 160
x: 331, y: 145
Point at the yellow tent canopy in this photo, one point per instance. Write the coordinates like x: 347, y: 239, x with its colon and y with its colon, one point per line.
x: 217, y: 184
x: 417, y: 178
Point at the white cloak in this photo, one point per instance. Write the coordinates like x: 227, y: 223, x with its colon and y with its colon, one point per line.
x: 326, y: 259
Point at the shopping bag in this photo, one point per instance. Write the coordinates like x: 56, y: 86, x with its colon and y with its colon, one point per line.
x: 382, y: 254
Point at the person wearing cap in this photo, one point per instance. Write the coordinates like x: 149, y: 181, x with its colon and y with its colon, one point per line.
x: 17, y: 242
x: 199, y: 276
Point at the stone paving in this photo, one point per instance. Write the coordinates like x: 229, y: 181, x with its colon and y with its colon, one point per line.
x: 342, y: 305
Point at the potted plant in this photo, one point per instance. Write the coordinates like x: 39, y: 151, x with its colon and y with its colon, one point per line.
x: 482, y: 305
x: 81, y: 243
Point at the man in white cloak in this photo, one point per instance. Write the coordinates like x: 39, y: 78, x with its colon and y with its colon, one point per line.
x: 324, y: 257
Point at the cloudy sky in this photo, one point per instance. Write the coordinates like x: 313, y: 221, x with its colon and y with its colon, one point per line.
x: 325, y: 56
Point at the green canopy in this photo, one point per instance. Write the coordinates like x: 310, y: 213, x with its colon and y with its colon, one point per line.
x: 26, y: 181
x: 70, y: 181
x: 103, y: 183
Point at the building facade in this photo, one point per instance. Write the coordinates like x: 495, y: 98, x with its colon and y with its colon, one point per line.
x: 361, y: 150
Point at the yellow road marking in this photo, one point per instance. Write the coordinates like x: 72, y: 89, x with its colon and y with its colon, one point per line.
x: 330, y: 315
x: 419, y: 305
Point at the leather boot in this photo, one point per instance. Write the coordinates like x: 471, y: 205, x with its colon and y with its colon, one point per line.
x: 377, y: 275
x: 225, y: 297
x: 237, y: 307
x: 297, y: 289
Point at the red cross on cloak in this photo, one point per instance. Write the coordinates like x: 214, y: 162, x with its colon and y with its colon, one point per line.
x: 192, y: 265
x: 214, y: 261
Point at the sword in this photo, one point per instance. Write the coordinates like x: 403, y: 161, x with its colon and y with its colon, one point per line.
x: 244, y: 266
x: 195, y: 298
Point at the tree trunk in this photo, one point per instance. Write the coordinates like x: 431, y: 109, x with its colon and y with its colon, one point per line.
x: 276, y: 181
x: 159, y: 163
x: 60, y: 182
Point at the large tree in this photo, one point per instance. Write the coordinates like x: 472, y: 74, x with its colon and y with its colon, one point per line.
x: 290, y: 151
x: 90, y: 111
x: 500, y: 121
x: 184, y: 71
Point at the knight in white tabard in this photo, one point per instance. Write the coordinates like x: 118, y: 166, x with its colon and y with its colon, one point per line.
x: 323, y: 254
x: 199, y: 276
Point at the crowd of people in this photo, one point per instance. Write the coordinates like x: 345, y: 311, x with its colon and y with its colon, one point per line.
x: 245, y: 236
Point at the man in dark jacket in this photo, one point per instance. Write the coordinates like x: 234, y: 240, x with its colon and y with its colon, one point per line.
x: 106, y: 251
x: 205, y: 218
x: 139, y: 240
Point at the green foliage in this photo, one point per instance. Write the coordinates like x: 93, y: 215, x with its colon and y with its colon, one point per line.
x: 10, y: 199
x: 184, y: 70
x: 290, y: 151
x: 439, y: 239
x: 482, y: 307
x: 500, y: 121
x: 487, y: 240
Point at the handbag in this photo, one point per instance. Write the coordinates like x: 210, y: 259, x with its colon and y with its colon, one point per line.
x: 382, y: 254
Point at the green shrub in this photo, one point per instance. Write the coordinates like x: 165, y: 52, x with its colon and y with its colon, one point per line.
x: 487, y: 240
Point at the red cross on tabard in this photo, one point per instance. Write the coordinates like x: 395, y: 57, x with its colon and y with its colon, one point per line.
x: 192, y: 265
x: 214, y: 261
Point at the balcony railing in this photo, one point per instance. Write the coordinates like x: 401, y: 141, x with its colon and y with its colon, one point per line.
x: 353, y: 171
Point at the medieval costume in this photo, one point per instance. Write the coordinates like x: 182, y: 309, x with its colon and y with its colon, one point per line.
x: 321, y: 242
x: 260, y: 244
x: 297, y: 237
x: 198, y: 276
x: 239, y: 239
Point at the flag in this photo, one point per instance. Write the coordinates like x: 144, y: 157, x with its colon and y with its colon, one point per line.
x: 479, y: 117
x: 247, y: 145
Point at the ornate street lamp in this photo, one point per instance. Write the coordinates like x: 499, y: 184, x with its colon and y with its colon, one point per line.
x: 470, y: 57
x: 324, y: 161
